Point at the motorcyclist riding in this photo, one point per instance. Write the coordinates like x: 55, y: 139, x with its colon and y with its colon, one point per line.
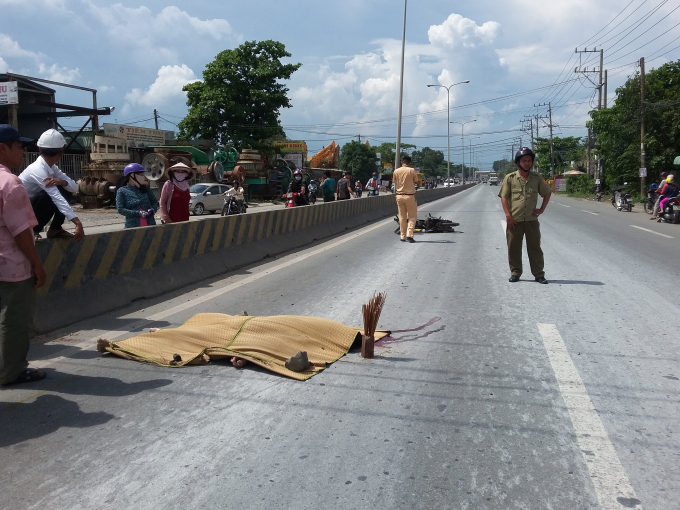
x: 237, y: 191
x: 358, y: 188
x: 373, y: 185
x: 669, y: 190
x: 299, y: 187
x: 662, y: 181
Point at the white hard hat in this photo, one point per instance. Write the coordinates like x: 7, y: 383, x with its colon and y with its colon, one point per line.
x: 51, y: 139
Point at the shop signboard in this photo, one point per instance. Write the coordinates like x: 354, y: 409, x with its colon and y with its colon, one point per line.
x: 9, y: 92
x: 138, y: 137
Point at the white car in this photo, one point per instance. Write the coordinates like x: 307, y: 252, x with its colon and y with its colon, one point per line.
x: 207, y: 197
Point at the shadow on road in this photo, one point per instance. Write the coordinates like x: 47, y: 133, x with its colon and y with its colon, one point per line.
x: 43, y: 416
x: 575, y: 282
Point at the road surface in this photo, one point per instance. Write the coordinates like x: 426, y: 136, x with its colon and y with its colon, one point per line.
x: 490, y: 395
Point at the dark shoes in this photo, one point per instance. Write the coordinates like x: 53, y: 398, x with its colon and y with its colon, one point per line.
x: 542, y: 280
x: 514, y: 278
x: 410, y: 240
x: 403, y: 240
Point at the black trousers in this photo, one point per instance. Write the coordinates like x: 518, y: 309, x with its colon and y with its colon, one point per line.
x: 45, y: 210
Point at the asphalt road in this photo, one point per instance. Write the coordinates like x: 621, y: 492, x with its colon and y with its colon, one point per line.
x: 490, y: 394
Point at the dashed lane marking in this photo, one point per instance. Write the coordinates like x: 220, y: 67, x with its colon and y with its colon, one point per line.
x: 653, y: 232
x: 562, y: 204
x: 612, y: 486
x: 590, y: 212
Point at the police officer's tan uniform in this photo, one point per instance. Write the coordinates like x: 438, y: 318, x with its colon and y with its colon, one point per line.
x: 405, y: 180
x: 522, y: 197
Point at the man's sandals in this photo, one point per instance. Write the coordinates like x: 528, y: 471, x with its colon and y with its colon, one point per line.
x: 59, y: 234
x: 28, y: 375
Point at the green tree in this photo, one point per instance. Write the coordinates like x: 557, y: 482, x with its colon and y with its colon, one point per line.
x: 501, y: 166
x: 618, y: 127
x: 565, y: 150
x: 358, y: 158
x: 430, y: 161
x: 386, y: 151
x: 239, y: 100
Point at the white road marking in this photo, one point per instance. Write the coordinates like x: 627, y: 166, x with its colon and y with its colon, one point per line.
x: 589, y: 212
x: 504, y: 225
x: 653, y: 232
x: 562, y: 204
x: 606, y: 472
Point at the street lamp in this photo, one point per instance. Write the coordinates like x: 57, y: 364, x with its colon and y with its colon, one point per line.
x: 470, y: 151
x: 462, y: 143
x: 397, y: 156
x: 448, y: 123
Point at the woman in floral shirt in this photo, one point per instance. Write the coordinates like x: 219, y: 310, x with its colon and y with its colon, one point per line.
x: 135, y: 200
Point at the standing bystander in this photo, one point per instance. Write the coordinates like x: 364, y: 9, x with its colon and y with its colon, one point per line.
x: 328, y: 187
x: 21, y: 271
x: 405, y: 180
x: 519, y: 197
x: 175, y: 195
x: 344, y: 189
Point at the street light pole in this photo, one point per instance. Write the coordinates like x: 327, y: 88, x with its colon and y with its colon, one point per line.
x: 462, y: 144
x: 397, y: 156
x: 448, y: 126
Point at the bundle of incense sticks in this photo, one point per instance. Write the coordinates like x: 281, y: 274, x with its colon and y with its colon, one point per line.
x: 372, y: 313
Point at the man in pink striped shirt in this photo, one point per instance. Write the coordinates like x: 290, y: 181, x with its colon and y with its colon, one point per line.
x: 21, y: 271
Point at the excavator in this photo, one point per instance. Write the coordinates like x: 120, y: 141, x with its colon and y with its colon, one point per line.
x: 326, y: 157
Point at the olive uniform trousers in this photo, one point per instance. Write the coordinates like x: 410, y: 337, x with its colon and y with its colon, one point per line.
x: 515, y: 238
x: 407, y: 209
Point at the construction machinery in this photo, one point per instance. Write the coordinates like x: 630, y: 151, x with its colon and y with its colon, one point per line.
x: 327, y: 157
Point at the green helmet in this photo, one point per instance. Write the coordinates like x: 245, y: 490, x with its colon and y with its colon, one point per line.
x: 676, y: 161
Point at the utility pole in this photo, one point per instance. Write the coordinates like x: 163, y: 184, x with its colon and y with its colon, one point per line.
x: 155, y: 117
x: 643, y: 169
x: 606, y: 82
x: 552, y: 165
x: 599, y: 101
x: 397, y: 152
x: 588, y: 154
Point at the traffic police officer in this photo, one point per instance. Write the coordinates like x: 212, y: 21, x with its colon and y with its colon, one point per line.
x: 519, y: 197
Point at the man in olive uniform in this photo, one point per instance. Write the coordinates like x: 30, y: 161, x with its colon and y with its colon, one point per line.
x: 519, y: 196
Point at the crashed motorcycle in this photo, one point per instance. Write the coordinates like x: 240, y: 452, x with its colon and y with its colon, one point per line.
x: 431, y: 225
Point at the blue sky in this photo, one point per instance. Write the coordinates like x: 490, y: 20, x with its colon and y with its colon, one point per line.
x: 140, y: 55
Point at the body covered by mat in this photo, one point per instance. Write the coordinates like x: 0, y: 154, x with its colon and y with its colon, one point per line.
x: 265, y: 341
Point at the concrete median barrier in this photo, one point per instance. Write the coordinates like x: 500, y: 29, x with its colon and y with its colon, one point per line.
x: 110, y: 270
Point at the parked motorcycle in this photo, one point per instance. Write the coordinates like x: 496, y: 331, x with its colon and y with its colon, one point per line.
x: 621, y: 200
x: 671, y: 211
x: 652, y: 197
x: 598, y: 193
x: 231, y: 206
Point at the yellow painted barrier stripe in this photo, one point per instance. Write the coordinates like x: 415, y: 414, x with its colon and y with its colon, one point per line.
x: 205, y: 235
x: 230, y: 231
x: 279, y: 217
x: 270, y: 223
x: 217, y: 238
x: 84, y: 255
x: 260, y: 227
x: 243, y: 224
x: 189, y: 241
x: 131, y: 254
x: 52, y: 263
x: 109, y: 255
x: 253, y: 224
x: 153, y: 248
x: 302, y: 214
x: 172, y: 244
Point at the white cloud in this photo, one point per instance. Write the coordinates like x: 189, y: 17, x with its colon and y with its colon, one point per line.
x: 162, y: 36
x: 59, y: 73
x: 167, y: 87
x: 105, y: 88
x: 9, y: 48
x: 3, y: 66
x: 459, y: 31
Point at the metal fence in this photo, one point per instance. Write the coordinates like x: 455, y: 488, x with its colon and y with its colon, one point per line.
x: 70, y: 164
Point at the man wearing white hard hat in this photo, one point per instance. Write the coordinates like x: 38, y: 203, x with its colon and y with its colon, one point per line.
x: 49, y: 188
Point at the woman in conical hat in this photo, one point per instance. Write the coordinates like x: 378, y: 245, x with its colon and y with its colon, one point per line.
x: 175, y: 195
